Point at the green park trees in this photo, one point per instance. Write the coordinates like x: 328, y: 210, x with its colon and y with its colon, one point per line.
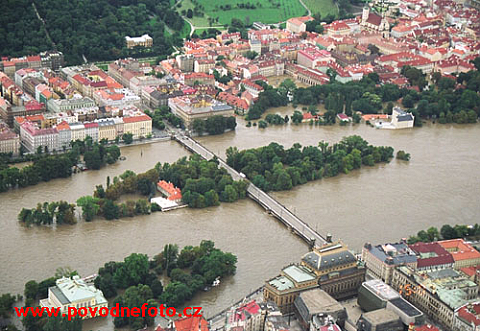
x: 46, y: 167
x: 89, y: 207
x: 446, y: 232
x: 48, y: 213
x: 448, y: 100
x: 189, y: 271
x: 275, y: 168
x: 214, y: 125
x: 127, y: 138
x: 79, y: 28
x: 402, y: 155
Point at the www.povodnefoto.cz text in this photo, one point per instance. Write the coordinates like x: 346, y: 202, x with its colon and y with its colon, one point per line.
x: 115, y: 311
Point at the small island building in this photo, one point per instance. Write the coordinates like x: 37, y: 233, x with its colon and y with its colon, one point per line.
x: 171, y: 192
x: 74, y: 292
x: 172, y: 196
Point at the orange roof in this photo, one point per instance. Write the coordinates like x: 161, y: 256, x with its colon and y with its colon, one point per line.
x: 174, y: 193
x: 369, y: 117
x: 191, y: 324
x: 112, y: 83
x: 63, y: 126
x: 47, y: 93
x: 460, y: 250
x: 469, y: 271
x: 19, y: 119
x: 134, y: 119
x: 34, y: 118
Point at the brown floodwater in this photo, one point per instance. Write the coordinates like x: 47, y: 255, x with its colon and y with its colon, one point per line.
x: 440, y: 184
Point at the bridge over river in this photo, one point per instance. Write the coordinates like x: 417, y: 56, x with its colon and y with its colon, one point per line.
x: 275, y: 208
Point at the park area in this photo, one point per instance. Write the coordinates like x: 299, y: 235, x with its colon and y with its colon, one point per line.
x: 249, y: 11
x: 324, y: 7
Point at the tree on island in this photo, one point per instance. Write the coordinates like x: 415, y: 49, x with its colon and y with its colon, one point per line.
x: 90, y: 207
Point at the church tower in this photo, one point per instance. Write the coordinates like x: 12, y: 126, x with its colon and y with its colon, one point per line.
x: 385, y: 27
x: 365, y: 13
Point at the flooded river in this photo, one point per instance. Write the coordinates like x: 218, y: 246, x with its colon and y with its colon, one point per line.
x: 440, y: 184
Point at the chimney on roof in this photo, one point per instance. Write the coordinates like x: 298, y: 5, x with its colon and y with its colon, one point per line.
x: 329, y: 238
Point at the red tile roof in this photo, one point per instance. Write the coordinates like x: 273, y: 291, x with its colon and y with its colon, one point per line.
x: 63, y: 126
x: 374, y: 19
x: 470, y: 313
x: 191, y: 324
x: 90, y: 125
x: 174, y: 193
x: 426, y: 327
x: 134, y: 119
x: 440, y: 254
x: 459, y: 249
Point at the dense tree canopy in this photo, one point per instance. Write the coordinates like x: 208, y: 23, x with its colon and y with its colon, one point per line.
x: 214, y: 125
x: 189, y: 272
x: 95, y: 29
x: 448, y: 100
x: 47, y: 213
x: 275, y: 168
x: 202, y: 182
x: 46, y: 167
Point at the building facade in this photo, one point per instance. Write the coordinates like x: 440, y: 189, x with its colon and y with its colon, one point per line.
x: 337, y: 270
x: 143, y: 41
x: 138, y: 126
x: 74, y: 292
x: 380, y: 260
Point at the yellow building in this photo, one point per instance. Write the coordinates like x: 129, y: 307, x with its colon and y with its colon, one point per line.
x: 106, y: 129
x: 285, y: 288
x: 139, y: 126
x: 332, y: 267
x: 189, y: 108
x: 337, y: 269
x: 74, y: 292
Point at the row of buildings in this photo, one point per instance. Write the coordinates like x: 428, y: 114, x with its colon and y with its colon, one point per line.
x: 34, y: 133
x: 439, y: 278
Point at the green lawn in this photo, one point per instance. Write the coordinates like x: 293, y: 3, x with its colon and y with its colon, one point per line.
x: 185, y: 32
x: 197, y: 21
x: 266, y: 11
x: 324, y: 7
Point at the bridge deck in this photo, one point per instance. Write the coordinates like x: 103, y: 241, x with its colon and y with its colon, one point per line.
x: 277, y: 209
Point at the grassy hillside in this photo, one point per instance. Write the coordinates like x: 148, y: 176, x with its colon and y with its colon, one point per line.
x: 324, y: 7
x: 267, y: 11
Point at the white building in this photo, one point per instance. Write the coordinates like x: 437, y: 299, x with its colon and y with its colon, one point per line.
x: 77, y: 131
x: 74, y: 292
x: 401, y: 119
x: 144, y: 41
x: 91, y: 130
x: 33, y: 137
x: 63, y: 105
